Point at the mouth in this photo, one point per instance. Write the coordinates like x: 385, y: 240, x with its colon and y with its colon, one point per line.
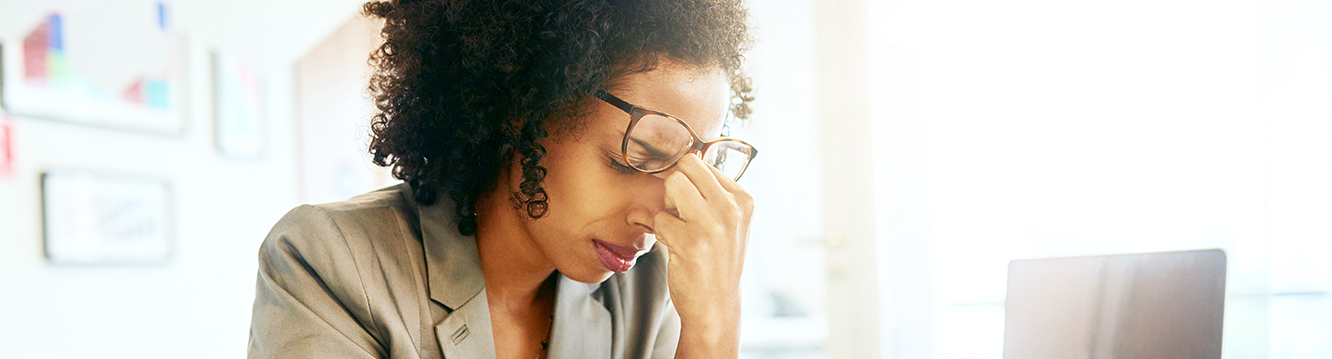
x: 616, y: 258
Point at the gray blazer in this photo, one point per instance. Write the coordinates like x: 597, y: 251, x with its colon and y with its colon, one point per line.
x: 379, y: 276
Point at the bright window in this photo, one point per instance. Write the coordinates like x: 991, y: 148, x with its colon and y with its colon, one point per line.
x: 1056, y: 128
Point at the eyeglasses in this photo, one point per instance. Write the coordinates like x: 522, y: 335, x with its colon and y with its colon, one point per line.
x: 655, y: 141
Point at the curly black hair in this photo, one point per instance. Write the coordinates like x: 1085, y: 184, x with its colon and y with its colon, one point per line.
x: 464, y: 86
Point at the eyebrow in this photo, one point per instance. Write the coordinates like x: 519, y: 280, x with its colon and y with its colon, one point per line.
x: 629, y: 108
x: 658, y: 153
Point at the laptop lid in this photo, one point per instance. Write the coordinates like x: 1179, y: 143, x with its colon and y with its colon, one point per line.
x: 1164, y: 305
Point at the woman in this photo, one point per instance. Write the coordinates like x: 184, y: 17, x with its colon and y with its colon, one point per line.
x: 545, y: 187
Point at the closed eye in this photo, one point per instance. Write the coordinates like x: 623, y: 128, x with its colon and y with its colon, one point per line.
x: 652, y: 151
x: 622, y: 168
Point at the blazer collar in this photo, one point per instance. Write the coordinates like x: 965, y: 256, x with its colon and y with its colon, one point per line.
x: 582, y: 324
x: 452, y: 263
x: 453, y: 272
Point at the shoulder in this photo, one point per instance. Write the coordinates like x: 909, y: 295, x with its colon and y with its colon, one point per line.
x: 331, y: 275
x: 388, y: 208
x: 334, y: 237
x: 382, y: 207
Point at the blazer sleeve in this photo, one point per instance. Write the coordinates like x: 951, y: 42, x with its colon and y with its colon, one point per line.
x: 309, y: 299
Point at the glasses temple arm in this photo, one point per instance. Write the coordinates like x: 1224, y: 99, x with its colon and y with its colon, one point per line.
x: 615, y: 101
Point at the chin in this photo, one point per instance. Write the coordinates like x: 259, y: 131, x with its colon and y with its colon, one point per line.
x: 589, y: 276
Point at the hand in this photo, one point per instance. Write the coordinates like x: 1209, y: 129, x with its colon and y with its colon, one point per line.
x: 705, y: 228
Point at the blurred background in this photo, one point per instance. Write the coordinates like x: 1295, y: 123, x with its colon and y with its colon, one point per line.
x: 911, y: 148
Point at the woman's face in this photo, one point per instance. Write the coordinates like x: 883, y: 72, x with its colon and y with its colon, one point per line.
x: 600, y: 214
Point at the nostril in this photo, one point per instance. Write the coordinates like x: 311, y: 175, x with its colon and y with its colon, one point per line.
x: 647, y: 228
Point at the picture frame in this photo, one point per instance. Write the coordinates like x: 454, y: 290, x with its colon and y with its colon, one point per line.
x: 6, y: 146
x: 92, y: 218
x: 238, y: 108
x: 74, y: 64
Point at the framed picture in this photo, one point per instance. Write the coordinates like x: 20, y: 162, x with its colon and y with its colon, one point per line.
x: 98, y: 219
x: 237, y: 108
x: 114, y: 64
x: 6, y: 147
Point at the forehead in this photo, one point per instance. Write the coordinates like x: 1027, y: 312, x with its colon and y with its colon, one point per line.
x: 696, y: 95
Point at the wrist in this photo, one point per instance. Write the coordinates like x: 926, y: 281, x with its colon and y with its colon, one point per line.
x: 711, y: 336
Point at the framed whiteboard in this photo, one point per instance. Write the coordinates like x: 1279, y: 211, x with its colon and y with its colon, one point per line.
x: 99, y: 219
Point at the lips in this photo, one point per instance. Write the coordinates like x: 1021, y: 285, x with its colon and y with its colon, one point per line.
x: 616, y: 258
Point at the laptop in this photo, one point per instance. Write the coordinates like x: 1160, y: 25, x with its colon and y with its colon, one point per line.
x: 1164, y: 305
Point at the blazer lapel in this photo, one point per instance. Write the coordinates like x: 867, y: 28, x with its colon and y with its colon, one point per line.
x: 453, y: 269
x: 581, y: 328
x: 582, y: 325
x: 465, y: 333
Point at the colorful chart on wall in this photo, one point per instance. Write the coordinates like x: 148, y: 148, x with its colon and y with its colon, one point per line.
x: 115, y: 64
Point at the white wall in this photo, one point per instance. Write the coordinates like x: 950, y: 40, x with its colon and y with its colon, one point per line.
x: 198, y: 303
x: 333, y: 115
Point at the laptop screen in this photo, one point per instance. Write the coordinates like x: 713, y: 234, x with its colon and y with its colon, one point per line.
x: 1165, y: 305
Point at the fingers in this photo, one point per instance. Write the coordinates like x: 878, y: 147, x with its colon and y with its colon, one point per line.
x: 725, y: 181
x: 738, y: 193
x: 703, y: 176
x: 683, y: 196
x: 694, y: 187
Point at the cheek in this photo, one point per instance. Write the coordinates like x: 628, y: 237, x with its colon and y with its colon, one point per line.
x: 587, y: 197
x: 588, y: 192
x: 576, y: 184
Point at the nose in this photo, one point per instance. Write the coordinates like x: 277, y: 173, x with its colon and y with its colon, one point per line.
x: 648, y: 198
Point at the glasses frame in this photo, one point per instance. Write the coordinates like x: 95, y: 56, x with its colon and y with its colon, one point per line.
x: 636, y: 113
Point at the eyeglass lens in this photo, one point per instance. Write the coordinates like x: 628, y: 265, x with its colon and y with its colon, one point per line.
x: 728, y: 156
x: 657, y: 142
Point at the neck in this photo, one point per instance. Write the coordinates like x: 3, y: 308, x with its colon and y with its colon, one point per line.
x: 514, y: 267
